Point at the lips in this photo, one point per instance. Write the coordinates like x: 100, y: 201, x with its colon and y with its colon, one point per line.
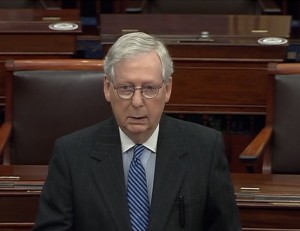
x: 137, y: 118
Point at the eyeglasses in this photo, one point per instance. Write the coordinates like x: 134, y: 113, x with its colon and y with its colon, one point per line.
x: 148, y: 91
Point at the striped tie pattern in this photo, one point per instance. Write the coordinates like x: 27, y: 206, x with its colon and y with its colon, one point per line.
x: 137, y: 193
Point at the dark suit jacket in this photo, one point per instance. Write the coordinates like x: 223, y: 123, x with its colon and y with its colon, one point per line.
x: 85, y: 189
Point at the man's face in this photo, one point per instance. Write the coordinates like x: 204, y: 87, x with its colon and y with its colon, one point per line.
x: 138, y: 116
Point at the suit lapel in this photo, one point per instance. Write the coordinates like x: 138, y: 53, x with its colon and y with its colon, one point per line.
x: 169, y: 175
x: 109, y: 176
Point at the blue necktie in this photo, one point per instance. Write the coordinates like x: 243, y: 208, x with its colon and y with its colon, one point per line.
x: 137, y: 192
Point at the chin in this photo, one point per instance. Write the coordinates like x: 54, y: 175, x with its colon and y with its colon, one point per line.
x: 137, y: 128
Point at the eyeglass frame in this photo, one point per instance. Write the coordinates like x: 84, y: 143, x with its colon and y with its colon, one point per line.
x: 133, y: 89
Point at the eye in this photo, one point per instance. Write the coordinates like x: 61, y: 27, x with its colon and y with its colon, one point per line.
x: 126, y: 88
x: 149, y: 88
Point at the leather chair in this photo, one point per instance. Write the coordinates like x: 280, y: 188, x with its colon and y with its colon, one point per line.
x: 46, y: 99
x: 278, y: 144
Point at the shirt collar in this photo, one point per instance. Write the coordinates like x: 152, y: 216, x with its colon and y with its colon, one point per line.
x: 150, y: 144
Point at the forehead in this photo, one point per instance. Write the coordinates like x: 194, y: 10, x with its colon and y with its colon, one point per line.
x: 147, y: 62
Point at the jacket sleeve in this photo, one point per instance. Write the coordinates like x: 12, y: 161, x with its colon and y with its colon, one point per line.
x: 221, y: 209
x: 55, y: 207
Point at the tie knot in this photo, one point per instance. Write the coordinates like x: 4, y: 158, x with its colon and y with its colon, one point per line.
x: 138, y: 150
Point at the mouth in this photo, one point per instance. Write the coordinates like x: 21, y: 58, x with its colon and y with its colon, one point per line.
x: 137, y: 118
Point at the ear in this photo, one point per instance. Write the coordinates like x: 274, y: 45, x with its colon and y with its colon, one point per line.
x: 106, y: 86
x: 168, y: 90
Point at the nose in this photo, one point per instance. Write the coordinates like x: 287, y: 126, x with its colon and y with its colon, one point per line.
x: 137, y: 98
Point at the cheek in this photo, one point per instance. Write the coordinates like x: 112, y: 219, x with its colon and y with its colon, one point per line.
x: 120, y: 108
x: 157, y: 106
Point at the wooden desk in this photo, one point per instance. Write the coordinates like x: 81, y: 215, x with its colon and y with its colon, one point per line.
x: 264, y: 201
x: 202, y: 7
x: 39, y: 15
x: 268, y: 201
x: 225, y: 72
x: 27, y: 33
x: 222, y: 74
x: 20, y: 188
x: 185, y: 25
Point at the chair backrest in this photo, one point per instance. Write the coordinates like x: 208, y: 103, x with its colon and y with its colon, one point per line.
x: 286, y: 135
x: 285, y: 153
x: 48, y: 102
